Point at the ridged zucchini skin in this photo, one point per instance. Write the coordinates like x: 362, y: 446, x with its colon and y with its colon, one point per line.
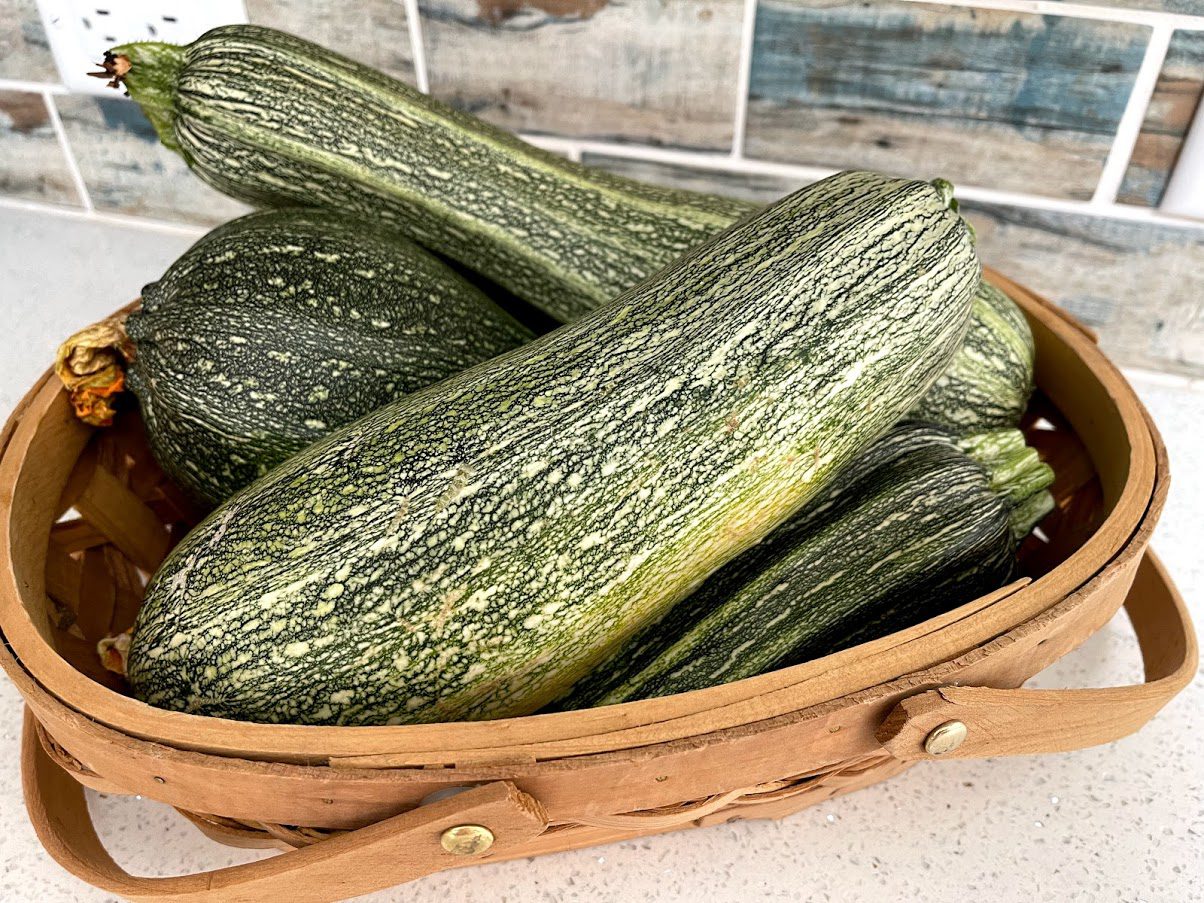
x: 912, y: 528
x: 988, y: 384
x: 472, y: 550
x: 277, y: 121
x: 278, y: 327
x: 272, y: 119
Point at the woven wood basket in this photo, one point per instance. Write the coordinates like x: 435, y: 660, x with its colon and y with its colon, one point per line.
x: 86, y: 514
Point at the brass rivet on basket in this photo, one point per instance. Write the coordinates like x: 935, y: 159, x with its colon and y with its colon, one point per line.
x: 467, y: 840
x: 945, y: 738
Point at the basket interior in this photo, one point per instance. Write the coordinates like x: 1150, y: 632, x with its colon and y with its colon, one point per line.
x: 119, y: 515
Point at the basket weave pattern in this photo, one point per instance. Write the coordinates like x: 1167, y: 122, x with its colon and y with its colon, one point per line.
x: 88, y: 516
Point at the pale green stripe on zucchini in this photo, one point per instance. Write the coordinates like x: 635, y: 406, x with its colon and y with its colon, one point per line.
x: 915, y: 528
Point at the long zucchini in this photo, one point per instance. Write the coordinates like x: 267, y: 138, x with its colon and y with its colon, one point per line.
x: 278, y: 121
x: 912, y: 528
x: 473, y: 549
x: 275, y: 120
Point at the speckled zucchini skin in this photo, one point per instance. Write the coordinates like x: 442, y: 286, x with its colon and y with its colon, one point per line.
x: 277, y: 328
x: 275, y: 120
x: 912, y: 528
x: 988, y: 384
x: 473, y: 549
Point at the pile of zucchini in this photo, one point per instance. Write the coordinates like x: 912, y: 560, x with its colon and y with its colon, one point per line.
x: 761, y: 435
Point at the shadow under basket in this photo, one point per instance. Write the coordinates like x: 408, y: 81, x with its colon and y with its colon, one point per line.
x: 86, y: 515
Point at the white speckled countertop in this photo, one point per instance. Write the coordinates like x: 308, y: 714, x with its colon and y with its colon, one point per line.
x: 1122, y: 822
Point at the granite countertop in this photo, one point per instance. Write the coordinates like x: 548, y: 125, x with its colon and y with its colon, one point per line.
x: 1121, y: 822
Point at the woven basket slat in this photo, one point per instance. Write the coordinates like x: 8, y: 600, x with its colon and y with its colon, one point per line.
x: 88, y: 515
x: 104, y: 501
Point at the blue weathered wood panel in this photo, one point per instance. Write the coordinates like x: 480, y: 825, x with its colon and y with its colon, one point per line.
x: 32, y: 164
x: 1006, y: 100
x: 1176, y: 97
x: 1138, y: 284
x: 650, y: 71
x: 24, y: 50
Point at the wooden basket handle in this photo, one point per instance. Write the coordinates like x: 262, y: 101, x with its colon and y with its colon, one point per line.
x: 1018, y: 721
x: 390, y: 852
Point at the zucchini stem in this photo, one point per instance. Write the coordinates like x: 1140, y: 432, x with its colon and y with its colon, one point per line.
x: 945, y: 188
x: 1017, y: 473
x: 148, y: 72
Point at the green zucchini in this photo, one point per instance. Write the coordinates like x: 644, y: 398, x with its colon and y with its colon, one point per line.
x: 272, y: 119
x: 473, y: 549
x: 277, y: 328
x: 990, y: 380
x: 912, y: 528
x: 278, y: 121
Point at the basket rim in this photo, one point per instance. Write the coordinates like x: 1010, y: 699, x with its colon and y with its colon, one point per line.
x: 41, y: 702
x: 1136, y: 507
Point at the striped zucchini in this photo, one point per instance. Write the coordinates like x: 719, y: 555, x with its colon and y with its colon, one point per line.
x: 912, y: 528
x: 277, y: 328
x: 473, y: 549
x: 272, y: 119
x: 278, y: 121
x: 990, y: 380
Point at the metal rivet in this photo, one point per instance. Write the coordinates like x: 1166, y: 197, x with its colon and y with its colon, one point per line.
x: 945, y: 738
x: 467, y: 840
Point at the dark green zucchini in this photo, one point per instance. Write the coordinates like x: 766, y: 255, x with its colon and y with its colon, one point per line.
x: 473, y: 549
x: 272, y: 119
x: 277, y: 328
x: 912, y: 528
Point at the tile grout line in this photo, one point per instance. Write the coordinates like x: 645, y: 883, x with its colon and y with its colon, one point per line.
x: 1071, y: 10
x: 726, y: 163
x: 16, y: 84
x: 96, y: 216
x: 417, y: 45
x: 748, y: 28
x: 1128, y: 130
x: 77, y: 177
x: 575, y: 148
x: 736, y: 162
